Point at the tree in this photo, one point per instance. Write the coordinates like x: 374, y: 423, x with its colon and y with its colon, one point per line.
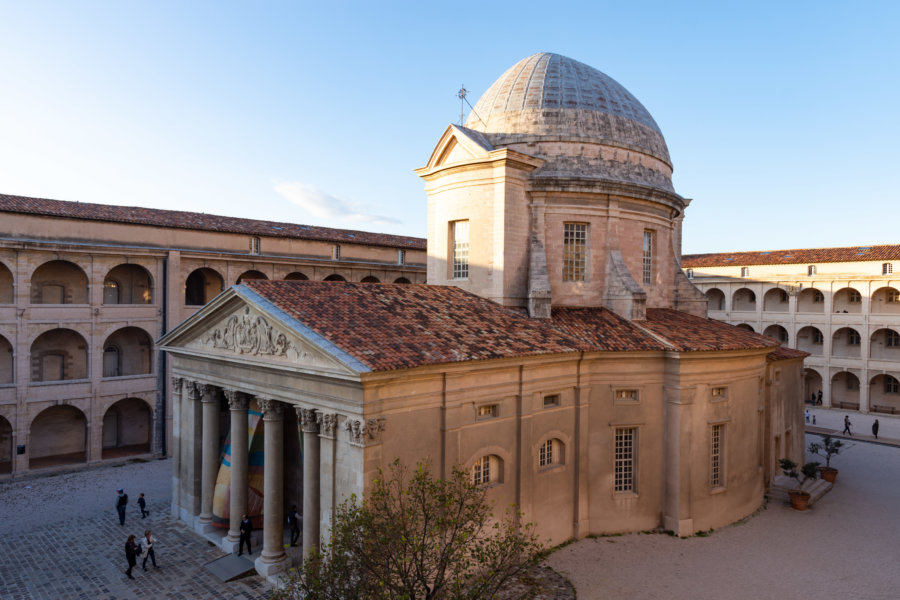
x: 417, y: 537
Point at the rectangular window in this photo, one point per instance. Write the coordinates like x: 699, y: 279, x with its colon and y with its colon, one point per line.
x: 745, y: 271
x: 574, y: 251
x: 785, y: 297
x: 627, y: 396
x: 818, y: 338
x: 893, y: 339
x: 336, y: 252
x: 893, y: 296
x: 811, y: 270
x: 401, y: 257
x: 716, y: 464
x: 648, y: 257
x: 487, y: 411
x: 891, y: 385
x: 254, y: 245
x: 625, y: 461
x: 459, y: 241
x: 855, y: 297
x: 818, y: 297
x: 546, y: 454
x: 690, y: 273
x: 887, y: 268
x: 552, y: 400
x: 719, y: 393
x: 853, y: 338
x: 852, y: 383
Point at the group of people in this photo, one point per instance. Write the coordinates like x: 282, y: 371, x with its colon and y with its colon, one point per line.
x: 847, y: 424
x: 135, y: 548
x: 293, y: 521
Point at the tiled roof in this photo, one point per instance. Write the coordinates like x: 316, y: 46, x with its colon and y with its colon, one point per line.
x: 782, y: 353
x: 199, y: 221
x: 387, y: 326
x: 603, y: 329
x: 801, y: 256
x: 687, y: 333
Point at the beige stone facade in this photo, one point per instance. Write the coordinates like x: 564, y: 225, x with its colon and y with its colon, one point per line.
x: 841, y: 305
x: 591, y: 391
x: 84, y: 297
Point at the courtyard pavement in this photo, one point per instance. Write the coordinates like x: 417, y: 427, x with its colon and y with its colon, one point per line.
x: 60, y: 539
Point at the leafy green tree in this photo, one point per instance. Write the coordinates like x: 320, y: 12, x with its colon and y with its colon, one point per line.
x: 417, y: 537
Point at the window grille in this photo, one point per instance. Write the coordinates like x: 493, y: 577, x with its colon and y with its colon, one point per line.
x: 551, y: 400
x: 574, y: 251
x: 547, y: 455
x: 853, y: 338
x: 891, y: 385
x: 818, y: 338
x: 717, y: 441
x: 887, y: 268
x: 625, y: 455
x: 336, y: 252
x: 745, y: 271
x: 690, y: 273
x: 855, y: 297
x: 460, y: 245
x: 627, y: 395
x: 811, y: 270
x: 648, y: 257
x: 893, y: 296
x: 401, y: 257
x: 893, y: 339
x: 485, y: 470
x: 818, y: 297
x: 487, y: 411
x: 254, y: 245
x: 719, y: 393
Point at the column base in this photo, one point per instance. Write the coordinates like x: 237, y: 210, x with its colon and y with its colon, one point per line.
x: 681, y: 527
x: 270, y: 568
x: 203, y: 525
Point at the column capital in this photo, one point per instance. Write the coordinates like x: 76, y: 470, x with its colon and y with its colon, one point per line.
x: 193, y: 390
x: 364, y: 433
x: 236, y: 400
x: 272, y: 410
x: 308, y: 421
x: 208, y: 392
x: 327, y: 424
x: 176, y: 383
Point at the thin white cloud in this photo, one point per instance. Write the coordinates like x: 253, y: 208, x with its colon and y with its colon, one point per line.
x: 325, y: 206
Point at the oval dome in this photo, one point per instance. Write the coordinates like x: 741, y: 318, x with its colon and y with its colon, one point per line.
x: 551, y: 96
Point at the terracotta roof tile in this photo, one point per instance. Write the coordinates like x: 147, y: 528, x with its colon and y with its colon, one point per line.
x: 603, y: 329
x: 800, y: 256
x: 782, y: 353
x: 387, y: 326
x: 688, y: 333
x: 199, y: 221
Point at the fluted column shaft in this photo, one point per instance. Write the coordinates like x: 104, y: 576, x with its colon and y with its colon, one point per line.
x: 310, y: 429
x: 175, y: 451
x: 238, y: 403
x: 210, y: 460
x: 273, y: 476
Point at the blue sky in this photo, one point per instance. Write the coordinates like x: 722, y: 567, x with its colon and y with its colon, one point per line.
x: 781, y: 118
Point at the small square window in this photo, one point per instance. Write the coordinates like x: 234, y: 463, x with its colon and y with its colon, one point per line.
x: 887, y: 268
x: 551, y: 400
x: 627, y: 396
x: 745, y: 271
x: 487, y: 411
x: 690, y: 273
x: 811, y: 270
x: 719, y: 393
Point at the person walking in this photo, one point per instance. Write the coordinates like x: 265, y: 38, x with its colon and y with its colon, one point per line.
x: 147, y: 543
x: 121, y: 503
x: 847, y: 425
x: 875, y: 429
x: 819, y: 398
x: 131, y: 552
x: 293, y: 520
x: 807, y: 420
x: 143, y: 503
x: 246, y: 531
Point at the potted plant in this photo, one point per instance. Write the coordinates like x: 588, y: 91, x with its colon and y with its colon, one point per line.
x: 799, y: 498
x: 826, y: 449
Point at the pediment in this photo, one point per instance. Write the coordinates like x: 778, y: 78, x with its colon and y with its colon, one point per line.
x: 239, y: 331
x: 459, y: 145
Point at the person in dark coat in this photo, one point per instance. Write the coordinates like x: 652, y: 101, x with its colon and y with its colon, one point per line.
x: 246, y: 531
x: 847, y: 425
x: 131, y: 552
x: 819, y: 398
x: 143, y: 504
x: 293, y: 520
x: 875, y: 429
x: 121, y: 503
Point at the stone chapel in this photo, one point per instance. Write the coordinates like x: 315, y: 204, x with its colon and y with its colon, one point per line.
x: 558, y: 352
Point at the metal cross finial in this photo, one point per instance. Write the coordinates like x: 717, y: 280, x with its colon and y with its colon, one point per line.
x: 461, y: 94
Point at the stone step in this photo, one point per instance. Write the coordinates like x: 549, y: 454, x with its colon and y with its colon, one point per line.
x: 816, y: 488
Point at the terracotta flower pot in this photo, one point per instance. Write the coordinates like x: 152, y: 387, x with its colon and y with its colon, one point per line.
x: 828, y: 473
x: 799, y: 500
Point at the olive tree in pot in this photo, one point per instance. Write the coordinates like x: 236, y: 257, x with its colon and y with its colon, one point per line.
x: 799, y: 498
x: 827, y: 448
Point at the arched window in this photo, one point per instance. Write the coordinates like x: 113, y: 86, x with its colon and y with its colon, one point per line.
x: 403, y: 280
x: 486, y: 470
x: 370, y: 279
x: 335, y: 277
x: 550, y: 453
x: 111, y: 362
x: 110, y: 291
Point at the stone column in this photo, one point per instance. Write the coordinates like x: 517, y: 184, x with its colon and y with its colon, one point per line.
x: 190, y: 452
x: 328, y: 423
x: 310, y: 427
x: 272, y: 559
x: 175, y: 450
x: 210, y: 464
x: 238, y: 403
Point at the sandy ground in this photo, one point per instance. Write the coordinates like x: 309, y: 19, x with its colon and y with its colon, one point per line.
x: 846, y: 546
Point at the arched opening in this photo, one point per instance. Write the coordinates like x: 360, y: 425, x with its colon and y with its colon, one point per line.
x: 776, y: 300
x: 201, y: 286
x: 777, y: 332
x: 6, y: 449
x: 6, y: 361
x: 845, y: 391
x: 370, y: 279
x: 811, y: 300
x: 885, y: 345
x: 402, y: 280
x: 6, y: 285
x: 886, y: 301
x: 334, y: 277
x: 126, y: 428
x: 127, y: 351
x: 744, y: 300
x: 812, y: 385
x: 296, y: 276
x: 551, y: 453
x: 810, y: 339
x: 846, y: 343
x: 716, y: 299
x: 847, y: 300
x: 127, y: 284
x: 487, y: 470
x: 58, y: 436
x: 59, y: 282
x: 57, y: 355
x: 251, y: 274
x: 745, y: 327
x: 884, y: 394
